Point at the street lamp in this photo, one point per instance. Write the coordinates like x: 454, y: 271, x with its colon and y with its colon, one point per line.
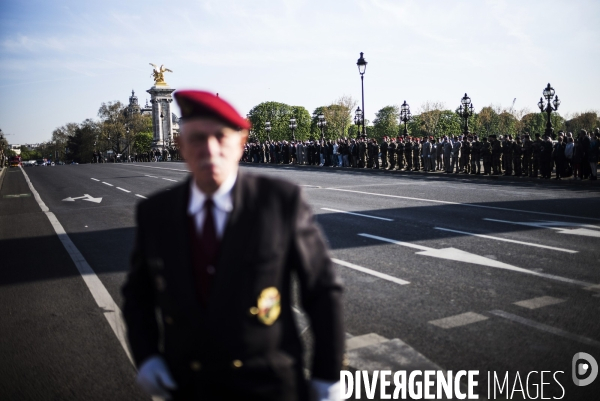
x: 128, y: 143
x: 268, y: 129
x: 465, y: 111
x: 362, y: 66
x: 550, y: 107
x: 405, y: 115
x: 358, y: 120
x: 163, y: 139
x: 293, y: 127
x: 321, y: 123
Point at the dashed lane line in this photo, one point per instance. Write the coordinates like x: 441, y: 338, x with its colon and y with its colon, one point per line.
x: 356, y: 214
x: 546, y: 328
x: 539, y: 302
x: 463, y: 204
x: 141, y: 196
x: 106, y: 183
x: 168, y: 179
x: 151, y: 176
x: 105, y: 302
x: 124, y: 190
x: 95, y: 179
x: 161, y: 168
x: 371, y: 272
x: 506, y: 240
x: 458, y: 320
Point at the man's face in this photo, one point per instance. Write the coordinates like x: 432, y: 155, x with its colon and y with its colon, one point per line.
x: 212, y: 151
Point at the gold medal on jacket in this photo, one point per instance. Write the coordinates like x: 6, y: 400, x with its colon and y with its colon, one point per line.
x: 269, y: 306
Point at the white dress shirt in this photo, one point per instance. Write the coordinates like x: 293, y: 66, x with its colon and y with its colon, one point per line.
x: 223, y: 205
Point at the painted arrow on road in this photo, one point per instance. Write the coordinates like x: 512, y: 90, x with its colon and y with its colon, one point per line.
x: 462, y: 256
x: 586, y: 230
x: 85, y: 197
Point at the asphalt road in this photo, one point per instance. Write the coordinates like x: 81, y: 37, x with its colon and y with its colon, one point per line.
x: 454, y: 273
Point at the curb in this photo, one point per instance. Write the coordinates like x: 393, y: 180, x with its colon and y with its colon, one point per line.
x: 2, y: 174
x: 438, y: 174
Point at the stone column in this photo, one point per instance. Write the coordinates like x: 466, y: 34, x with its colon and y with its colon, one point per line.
x: 161, y: 100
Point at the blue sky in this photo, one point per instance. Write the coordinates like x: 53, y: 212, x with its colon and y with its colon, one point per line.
x: 61, y: 59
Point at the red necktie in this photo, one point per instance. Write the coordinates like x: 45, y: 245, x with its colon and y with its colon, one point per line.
x: 205, y: 253
x: 210, y: 243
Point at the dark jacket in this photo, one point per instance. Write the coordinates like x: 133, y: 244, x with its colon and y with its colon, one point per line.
x: 200, y: 344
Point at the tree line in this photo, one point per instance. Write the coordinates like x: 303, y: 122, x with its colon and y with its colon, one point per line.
x: 114, y: 130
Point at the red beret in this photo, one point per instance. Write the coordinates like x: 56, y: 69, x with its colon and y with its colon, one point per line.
x: 195, y: 103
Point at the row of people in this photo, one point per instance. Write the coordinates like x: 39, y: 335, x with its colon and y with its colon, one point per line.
x: 520, y: 156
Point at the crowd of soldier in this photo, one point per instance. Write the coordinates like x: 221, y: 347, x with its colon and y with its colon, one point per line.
x: 521, y: 156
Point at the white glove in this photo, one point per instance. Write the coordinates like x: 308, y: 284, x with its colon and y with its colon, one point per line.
x: 326, y: 390
x: 154, y: 378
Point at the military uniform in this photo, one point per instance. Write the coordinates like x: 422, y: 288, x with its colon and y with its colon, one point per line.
x: 496, y: 153
x: 475, y: 156
x: 465, y: 155
x: 517, y: 155
x: 527, y: 153
x: 216, y: 309
x: 392, y: 154
x: 400, y: 154
x: 416, y: 155
x: 384, y: 151
x: 486, y: 156
x: 408, y: 147
x: 536, y: 147
x: 507, y: 157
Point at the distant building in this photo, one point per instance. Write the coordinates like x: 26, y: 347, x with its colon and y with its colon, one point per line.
x: 134, y: 108
x: 17, y: 147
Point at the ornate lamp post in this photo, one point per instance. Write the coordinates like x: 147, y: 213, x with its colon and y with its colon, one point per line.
x: 465, y: 111
x: 268, y: 129
x: 358, y: 120
x: 549, y: 94
x: 362, y: 66
x: 405, y: 115
x: 163, y: 139
x: 321, y: 123
x: 293, y: 127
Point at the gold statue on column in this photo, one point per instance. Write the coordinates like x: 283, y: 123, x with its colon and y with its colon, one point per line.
x: 158, y: 75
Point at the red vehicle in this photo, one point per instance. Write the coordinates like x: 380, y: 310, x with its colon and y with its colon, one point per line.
x: 14, y: 161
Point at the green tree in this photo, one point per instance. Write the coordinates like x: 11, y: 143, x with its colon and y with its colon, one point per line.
x: 279, y: 114
x: 113, y: 126
x: 142, y: 142
x: 587, y: 121
x: 81, y: 145
x: 450, y: 124
x: 429, y: 118
x: 488, y: 121
x: 386, y: 122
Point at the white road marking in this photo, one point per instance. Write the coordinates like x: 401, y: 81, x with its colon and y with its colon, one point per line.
x: 507, y: 240
x: 371, y: 272
x: 356, y: 214
x: 463, y: 204
x: 462, y: 256
x: 584, y: 229
x: 539, y: 302
x: 141, y: 196
x: 124, y: 190
x: 168, y: 179
x: 110, y: 185
x: 95, y: 179
x: 151, y: 176
x: 85, y: 197
x: 458, y: 320
x: 109, y: 308
x: 546, y: 328
x: 162, y: 168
